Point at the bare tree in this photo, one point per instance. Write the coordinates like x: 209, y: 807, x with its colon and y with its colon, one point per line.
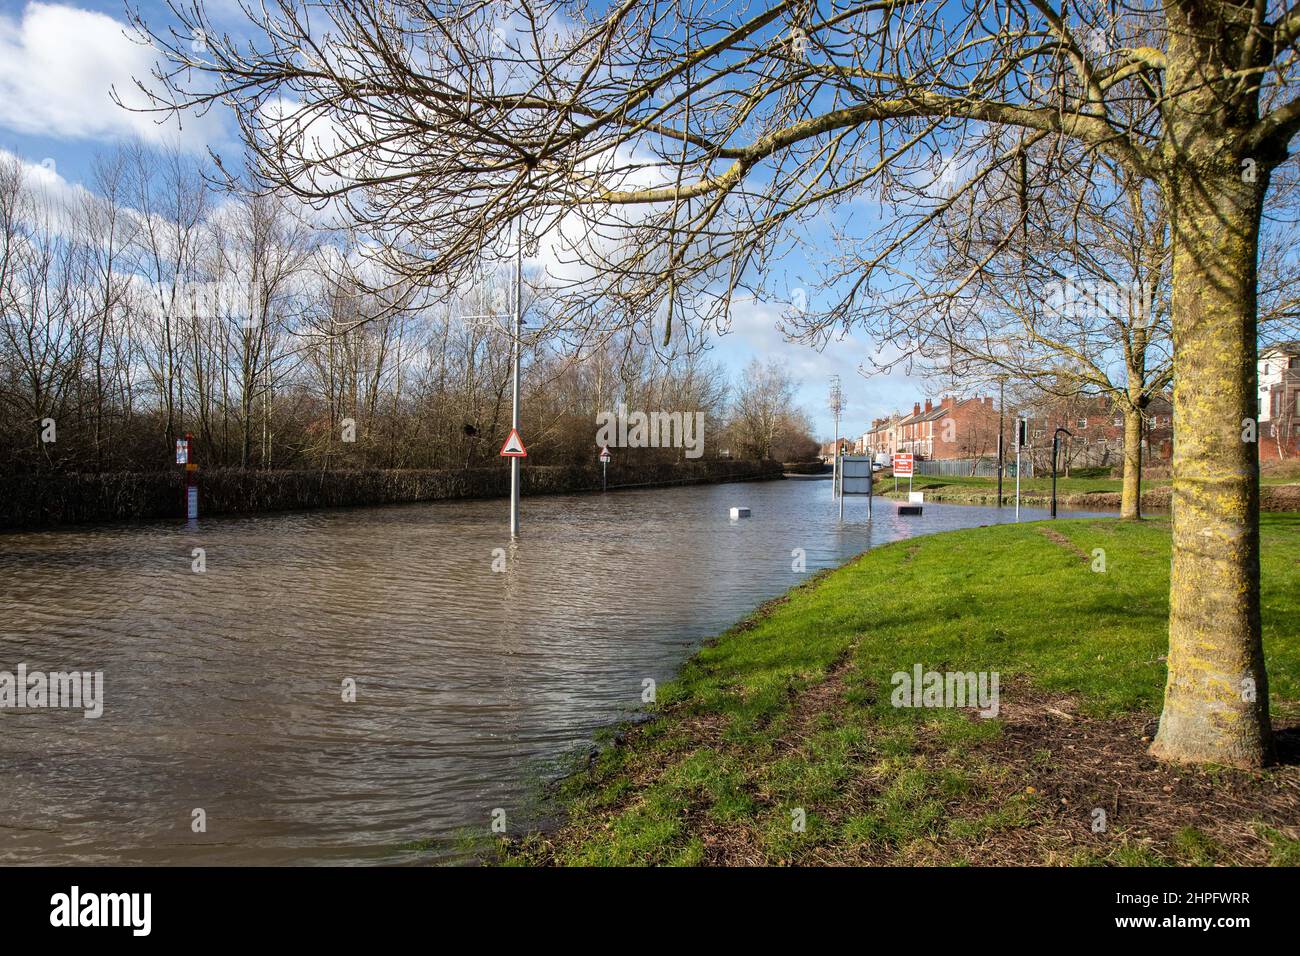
x: 1073, y: 300
x: 761, y: 412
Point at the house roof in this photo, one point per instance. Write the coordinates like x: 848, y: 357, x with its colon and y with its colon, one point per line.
x: 1284, y: 348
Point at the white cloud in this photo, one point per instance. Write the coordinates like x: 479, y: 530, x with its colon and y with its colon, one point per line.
x: 754, y: 332
x: 55, y: 193
x: 57, y: 65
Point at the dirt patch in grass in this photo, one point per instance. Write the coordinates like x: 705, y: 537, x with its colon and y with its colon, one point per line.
x: 1078, y: 765
x: 1057, y: 538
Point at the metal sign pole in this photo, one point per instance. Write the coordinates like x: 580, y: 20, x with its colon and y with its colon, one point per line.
x: 514, y: 412
x: 841, y: 469
x: 1017, y: 480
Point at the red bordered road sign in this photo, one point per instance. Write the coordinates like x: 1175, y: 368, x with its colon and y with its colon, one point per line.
x: 514, y: 446
x: 903, y: 466
x: 604, y: 453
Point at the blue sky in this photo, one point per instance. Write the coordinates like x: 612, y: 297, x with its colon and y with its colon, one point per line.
x: 59, y: 61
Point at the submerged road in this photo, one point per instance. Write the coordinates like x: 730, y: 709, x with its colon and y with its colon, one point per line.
x: 224, y: 691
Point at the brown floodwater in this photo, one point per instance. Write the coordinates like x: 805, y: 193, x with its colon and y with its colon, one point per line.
x: 224, y: 690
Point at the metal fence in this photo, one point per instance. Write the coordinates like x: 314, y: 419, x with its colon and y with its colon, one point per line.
x: 984, y: 467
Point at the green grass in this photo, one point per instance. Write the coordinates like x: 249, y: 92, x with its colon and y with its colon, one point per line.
x: 1081, y: 481
x: 737, y: 749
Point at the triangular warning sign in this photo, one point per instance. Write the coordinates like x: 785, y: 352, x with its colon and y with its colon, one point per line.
x: 514, y: 446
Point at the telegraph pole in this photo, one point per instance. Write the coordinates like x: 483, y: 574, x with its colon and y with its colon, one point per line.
x: 836, y: 404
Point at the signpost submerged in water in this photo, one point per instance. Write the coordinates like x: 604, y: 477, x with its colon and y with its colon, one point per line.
x: 184, y: 457
x: 856, y: 479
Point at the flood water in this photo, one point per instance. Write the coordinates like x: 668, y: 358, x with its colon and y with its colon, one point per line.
x: 224, y: 692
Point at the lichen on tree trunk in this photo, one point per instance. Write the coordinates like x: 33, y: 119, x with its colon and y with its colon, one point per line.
x: 1216, y: 698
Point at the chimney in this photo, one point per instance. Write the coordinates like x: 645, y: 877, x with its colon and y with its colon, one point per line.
x: 929, y: 406
x: 988, y: 400
x: 947, y: 401
x: 916, y: 409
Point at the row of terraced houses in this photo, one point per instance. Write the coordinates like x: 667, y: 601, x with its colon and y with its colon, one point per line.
x: 968, y: 428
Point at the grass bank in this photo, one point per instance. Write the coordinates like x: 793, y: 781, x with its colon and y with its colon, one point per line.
x: 786, y: 720
x: 1277, y: 493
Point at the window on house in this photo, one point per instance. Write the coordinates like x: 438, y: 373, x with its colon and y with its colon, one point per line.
x: 1082, y: 423
x: 1297, y: 403
x: 1265, y: 368
x: 1119, y: 421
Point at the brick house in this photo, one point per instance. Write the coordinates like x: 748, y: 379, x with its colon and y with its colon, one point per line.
x: 952, y: 429
x: 881, y: 440
x: 1279, y: 401
x: 828, y: 449
x: 1097, y: 428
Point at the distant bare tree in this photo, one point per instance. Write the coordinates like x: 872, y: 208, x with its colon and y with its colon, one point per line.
x: 761, y: 412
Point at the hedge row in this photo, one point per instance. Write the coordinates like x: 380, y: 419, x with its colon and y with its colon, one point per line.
x: 34, y: 501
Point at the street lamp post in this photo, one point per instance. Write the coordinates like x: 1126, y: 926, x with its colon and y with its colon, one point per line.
x: 1022, y: 428
x: 1056, y: 437
x: 514, y: 375
x: 514, y: 403
x: 1143, y: 401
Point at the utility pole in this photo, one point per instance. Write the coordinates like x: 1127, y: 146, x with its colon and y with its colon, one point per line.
x: 836, y: 404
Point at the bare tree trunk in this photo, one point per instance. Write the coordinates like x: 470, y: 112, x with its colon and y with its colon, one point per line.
x: 1130, y: 505
x: 1216, y: 699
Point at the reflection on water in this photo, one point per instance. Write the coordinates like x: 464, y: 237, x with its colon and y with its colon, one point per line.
x: 224, y: 689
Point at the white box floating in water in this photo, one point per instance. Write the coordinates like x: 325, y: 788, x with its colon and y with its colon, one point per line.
x: 739, y: 513
x: 916, y: 497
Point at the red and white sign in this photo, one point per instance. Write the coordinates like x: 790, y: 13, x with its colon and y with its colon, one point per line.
x: 903, y: 466
x: 514, y: 446
x: 605, y: 456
